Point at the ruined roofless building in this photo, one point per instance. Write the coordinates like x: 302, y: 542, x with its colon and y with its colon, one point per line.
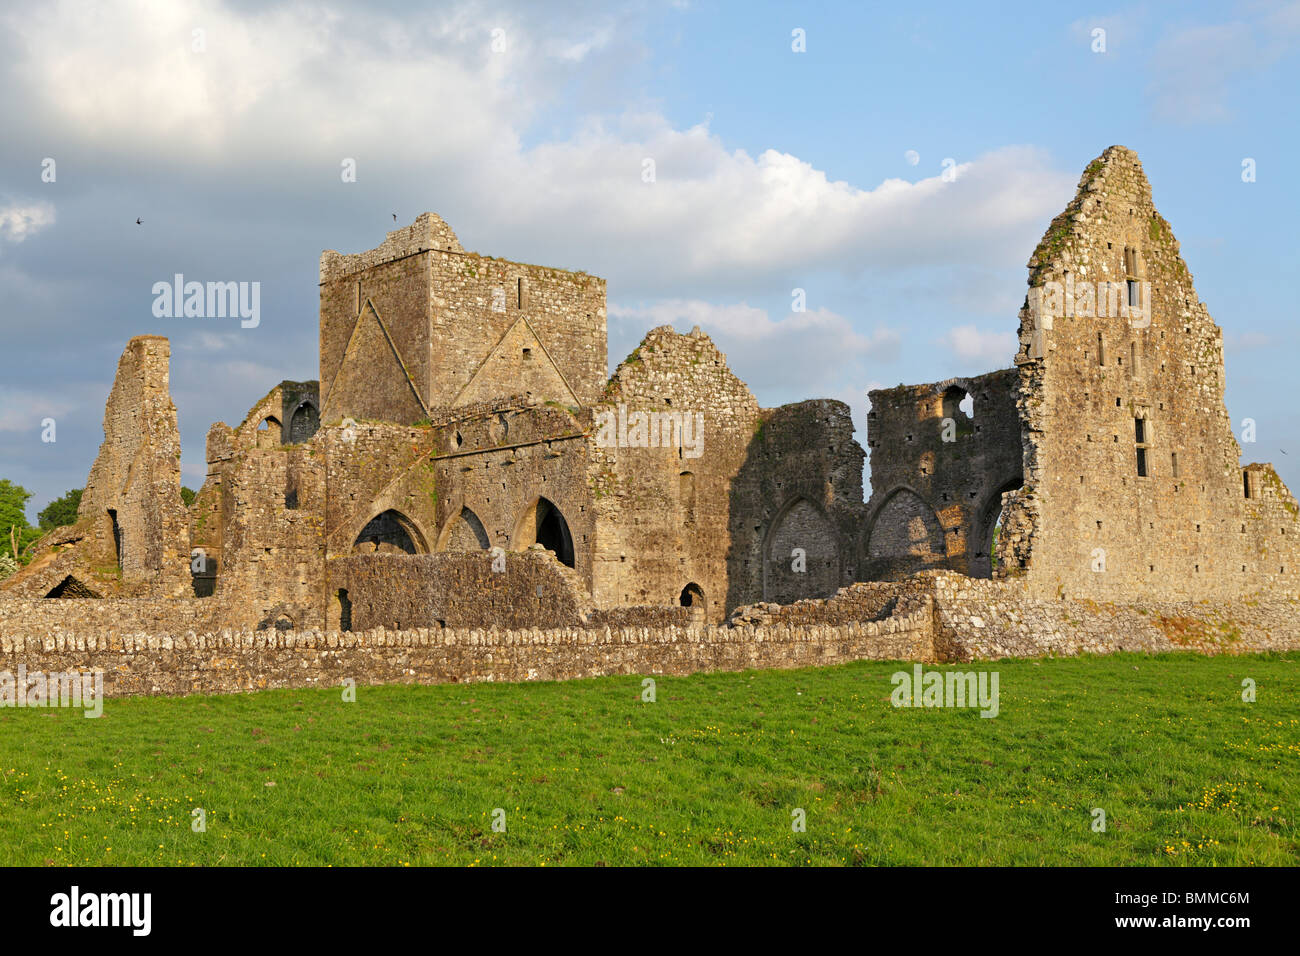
x: 465, y: 461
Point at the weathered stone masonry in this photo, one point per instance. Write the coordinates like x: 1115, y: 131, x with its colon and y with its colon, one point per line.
x: 453, y: 470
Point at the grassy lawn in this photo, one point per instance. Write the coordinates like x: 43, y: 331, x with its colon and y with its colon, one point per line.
x: 708, y: 774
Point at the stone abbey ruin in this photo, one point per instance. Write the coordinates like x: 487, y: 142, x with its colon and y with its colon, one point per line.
x: 465, y: 495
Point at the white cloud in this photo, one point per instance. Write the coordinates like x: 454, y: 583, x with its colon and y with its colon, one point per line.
x: 1193, y: 68
x: 811, y: 353
x: 970, y: 344
x: 420, y: 99
x: 18, y: 221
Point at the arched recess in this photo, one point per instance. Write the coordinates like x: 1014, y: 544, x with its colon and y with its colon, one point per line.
x: 543, y: 523
x: 801, y: 554
x: 905, y: 536
x: 464, y: 532
x: 304, y: 422
x: 279, y: 618
x: 390, y: 532
x: 987, y: 520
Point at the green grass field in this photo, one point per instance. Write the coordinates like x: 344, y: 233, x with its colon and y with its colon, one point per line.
x: 710, y: 773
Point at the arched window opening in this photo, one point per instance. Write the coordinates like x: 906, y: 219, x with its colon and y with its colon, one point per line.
x: 686, y: 495
x: 268, y: 432
x: 117, y: 538
x: 956, y: 401
x: 692, y: 597
x: 553, y: 532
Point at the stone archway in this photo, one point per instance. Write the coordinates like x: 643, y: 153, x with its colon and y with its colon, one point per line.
x: 801, y: 554
x: 905, y: 537
x: 304, y: 422
x: 268, y: 432
x: 389, y: 532
x: 692, y: 597
x: 543, y: 523
x: 464, y: 532
x: 987, y: 521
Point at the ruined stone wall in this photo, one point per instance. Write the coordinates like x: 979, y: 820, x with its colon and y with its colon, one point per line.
x: 131, y: 536
x: 796, y: 506
x: 510, y: 474
x: 38, y: 619
x: 233, y: 661
x: 1107, y: 396
x: 938, y: 474
x: 419, y: 323
x: 474, y: 479
x: 470, y: 589
x: 986, y: 620
x: 663, y: 516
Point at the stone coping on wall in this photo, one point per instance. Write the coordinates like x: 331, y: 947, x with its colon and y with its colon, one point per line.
x: 235, y: 661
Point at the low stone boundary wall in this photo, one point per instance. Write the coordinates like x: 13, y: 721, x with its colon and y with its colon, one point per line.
x: 980, y: 619
x: 253, y: 660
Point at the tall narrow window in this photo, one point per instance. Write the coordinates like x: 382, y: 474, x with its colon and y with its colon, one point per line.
x: 1141, y: 439
x: 1101, y: 349
x: 686, y: 494
x: 1173, y: 463
x: 523, y: 293
x: 117, y: 537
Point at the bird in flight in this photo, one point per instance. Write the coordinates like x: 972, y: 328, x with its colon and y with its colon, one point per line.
x: 394, y: 217
x: 139, y: 222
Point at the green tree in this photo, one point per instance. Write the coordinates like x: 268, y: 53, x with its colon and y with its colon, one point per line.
x: 60, y: 511
x: 16, y: 533
x: 188, y: 495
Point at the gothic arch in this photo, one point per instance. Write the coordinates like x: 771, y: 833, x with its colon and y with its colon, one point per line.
x: 904, y: 535
x: 986, y: 519
x: 543, y: 523
x: 390, y: 532
x: 801, y: 554
x: 267, y: 434
x: 464, y: 532
x: 304, y: 421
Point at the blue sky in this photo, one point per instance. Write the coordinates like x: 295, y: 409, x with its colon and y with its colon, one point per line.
x: 775, y: 170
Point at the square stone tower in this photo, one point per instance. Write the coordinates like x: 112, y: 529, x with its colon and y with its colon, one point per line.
x: 418, y: 324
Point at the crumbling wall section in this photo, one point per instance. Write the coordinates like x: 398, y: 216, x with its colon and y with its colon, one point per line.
x: 131, y: 536
x: 938, y: 474
x: 797, y: 506
x: 665, y: 446
x: 468, y: 589
x: 1133, y: 482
